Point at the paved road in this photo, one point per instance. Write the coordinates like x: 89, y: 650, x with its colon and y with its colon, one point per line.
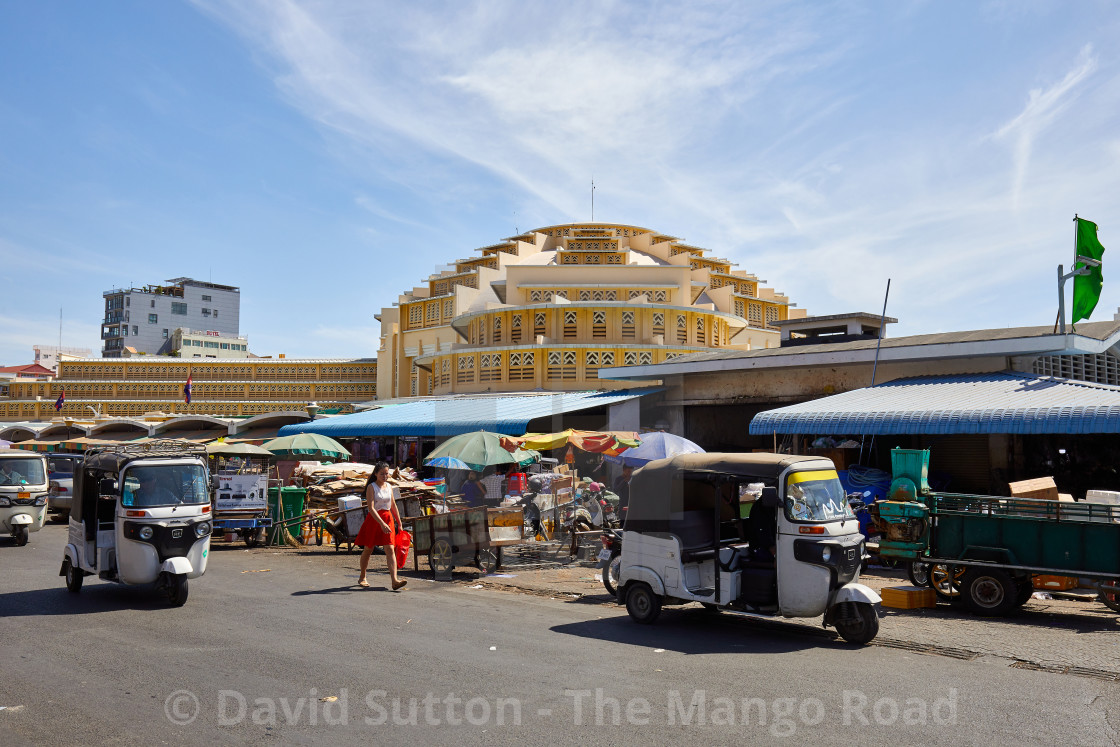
x: 266, y: 636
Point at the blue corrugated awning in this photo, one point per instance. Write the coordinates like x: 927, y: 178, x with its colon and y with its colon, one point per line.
x: 1003, y: 402
x: 454, y: 415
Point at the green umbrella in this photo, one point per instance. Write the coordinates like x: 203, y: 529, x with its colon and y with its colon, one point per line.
x: 307, y: 446
x: 225, y: 448
x: 479, y: 449
x: 525, y: 457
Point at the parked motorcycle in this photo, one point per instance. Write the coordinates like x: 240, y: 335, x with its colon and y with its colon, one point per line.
x: 610, y: 559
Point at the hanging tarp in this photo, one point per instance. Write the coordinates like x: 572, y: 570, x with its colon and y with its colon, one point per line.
x: 598, y: 442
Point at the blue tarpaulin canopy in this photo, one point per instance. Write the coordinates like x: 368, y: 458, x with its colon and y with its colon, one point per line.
x: 509, y: 415
x: 1004, y: 402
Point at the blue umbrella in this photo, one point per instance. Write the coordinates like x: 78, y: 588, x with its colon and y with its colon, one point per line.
x: 448, y: 462
x: 656, y: 445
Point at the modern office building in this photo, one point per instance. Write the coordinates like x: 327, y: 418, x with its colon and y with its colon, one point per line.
x: 144, y: 318
x: 546, y: 309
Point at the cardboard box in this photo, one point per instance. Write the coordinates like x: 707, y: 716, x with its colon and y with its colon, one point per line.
x: 909, y: 597
x: 1040, y: 488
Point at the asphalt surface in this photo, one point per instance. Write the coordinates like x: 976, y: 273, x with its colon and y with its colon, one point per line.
x: 279, y: 645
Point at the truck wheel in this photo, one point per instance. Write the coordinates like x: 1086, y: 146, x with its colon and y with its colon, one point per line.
x: 177, y: 590
x: 989, y: 592
x: 19, y: 534
x: 610, y: 573
x: 918, y: 573
x: 1110, y: 595
x: 862, y: 628
x: 1026, y: 589
x: 642, y: 604
x: 253, y: 537
x: 74, y: 578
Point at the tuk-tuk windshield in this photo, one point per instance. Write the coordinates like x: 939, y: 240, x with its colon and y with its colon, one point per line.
x: 165, y: 485
x: 22, y: 471
x: 816, y: 496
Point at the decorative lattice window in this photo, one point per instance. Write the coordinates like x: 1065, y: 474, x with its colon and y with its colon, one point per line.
x: 635, y: 293
x: 415, y: 314
x: 448, y: 308
x: 570, y: 318
x: 537, y: 296
x: 515, y: 328
x: 628, y: 323
x: 740, y: 308
x: 562, y: 294
x: 491, y: 367
x: 538, y: 323
x: 659, y: 322
x: 630, y: 358
x: 599, y: 324
x: 445, y: 372
x: 659, y: 296
x: 614, y: 259
x: 465, y: 374
x: 754, y: 314
x: 701, y: 336
x: 433, y: 312
x: 771, y: 315
x: 585, y: 295
x: 497, y: 329
x: 682, y: 329
x: 562, y: 365
x: 645, y: 358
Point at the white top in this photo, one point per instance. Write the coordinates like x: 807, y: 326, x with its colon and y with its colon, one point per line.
x: 382, y: 496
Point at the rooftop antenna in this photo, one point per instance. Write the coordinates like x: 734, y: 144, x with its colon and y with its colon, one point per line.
x: 59, y: 330
x: 592, y: 199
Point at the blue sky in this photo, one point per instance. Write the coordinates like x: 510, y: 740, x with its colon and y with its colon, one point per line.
x: 324, y: 156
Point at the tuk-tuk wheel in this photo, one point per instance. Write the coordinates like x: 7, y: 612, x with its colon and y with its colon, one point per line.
x: 1110, y: 595
x: 863, y: 627
x: 19, y: 534
x: 253, y: 537
x: 74, y: 578
x: 177, y: 590
x: 642, y: 604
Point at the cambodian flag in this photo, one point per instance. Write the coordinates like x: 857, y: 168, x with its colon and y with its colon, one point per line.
x: 187, y: 390
x: 58, y: 403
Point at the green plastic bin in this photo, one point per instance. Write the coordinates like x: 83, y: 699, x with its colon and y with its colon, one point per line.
x: 290, y: 501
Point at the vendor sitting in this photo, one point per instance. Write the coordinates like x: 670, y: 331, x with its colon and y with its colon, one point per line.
x: 474, y: 492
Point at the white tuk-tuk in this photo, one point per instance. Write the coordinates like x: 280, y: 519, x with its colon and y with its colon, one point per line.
x: 768, y: 535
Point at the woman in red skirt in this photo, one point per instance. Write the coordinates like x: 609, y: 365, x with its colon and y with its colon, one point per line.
x: 381, y: 524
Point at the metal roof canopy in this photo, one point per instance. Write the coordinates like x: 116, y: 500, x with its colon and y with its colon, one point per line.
x: 509, y: 415
x: 1003, y: 402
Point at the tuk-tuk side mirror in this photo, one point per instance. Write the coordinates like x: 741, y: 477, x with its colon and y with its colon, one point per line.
x: 107, y: 488
x: 769, y: 497
x: 855, y: 500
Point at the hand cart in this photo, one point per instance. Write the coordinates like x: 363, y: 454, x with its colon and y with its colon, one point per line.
x: 470, y: 535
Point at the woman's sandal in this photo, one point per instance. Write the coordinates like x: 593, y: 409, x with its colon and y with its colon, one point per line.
x: 363, y: 582
x: 397, y: 585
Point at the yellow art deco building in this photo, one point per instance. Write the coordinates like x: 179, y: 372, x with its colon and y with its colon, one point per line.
x: 548, y: 308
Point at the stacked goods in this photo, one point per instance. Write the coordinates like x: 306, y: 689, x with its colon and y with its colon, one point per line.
x: 1040, y: 488
x: 329, y: 482
x: 909, y: 597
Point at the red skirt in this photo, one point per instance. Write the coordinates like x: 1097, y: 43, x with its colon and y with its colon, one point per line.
x: 372, y: 535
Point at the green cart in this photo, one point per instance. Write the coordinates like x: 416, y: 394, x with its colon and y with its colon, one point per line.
x: 985, y: 550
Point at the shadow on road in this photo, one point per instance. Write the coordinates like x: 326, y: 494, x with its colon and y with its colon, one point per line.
x: 1094, y: 617
x: 697, y: 631
x: 93, y: 599
x: 352, y: 588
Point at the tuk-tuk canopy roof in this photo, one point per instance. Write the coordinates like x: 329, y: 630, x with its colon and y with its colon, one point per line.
x: 657, y: 493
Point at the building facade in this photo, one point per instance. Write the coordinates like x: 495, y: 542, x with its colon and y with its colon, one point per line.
x: 48, y: 356
x: 197, y: 343
x: 546, y: 309
x: 131, y: 387
x: 143, y: 318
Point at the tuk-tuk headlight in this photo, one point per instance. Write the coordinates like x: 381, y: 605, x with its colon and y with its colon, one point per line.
x: 146, y: 533
x: 826, y: 554
x: 202, y: 529
x: 5, y: 500
x: 41, y: 500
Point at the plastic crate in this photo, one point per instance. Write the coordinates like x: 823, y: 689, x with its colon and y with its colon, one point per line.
x: 909, y: 597
x: 1055, y: 583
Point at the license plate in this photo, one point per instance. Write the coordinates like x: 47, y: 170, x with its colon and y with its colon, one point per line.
x: 22, y: 495
x: 604, y: 554
x: 176, y: 533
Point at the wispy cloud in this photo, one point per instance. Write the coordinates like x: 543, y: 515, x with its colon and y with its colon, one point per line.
x: 1043, y: 107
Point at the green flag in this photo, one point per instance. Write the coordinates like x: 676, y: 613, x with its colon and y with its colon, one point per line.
x: 1087, y: 288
